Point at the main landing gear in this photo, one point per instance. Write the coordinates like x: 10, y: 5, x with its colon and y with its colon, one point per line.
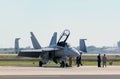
x: 40, y: 63
x: 63, y: 64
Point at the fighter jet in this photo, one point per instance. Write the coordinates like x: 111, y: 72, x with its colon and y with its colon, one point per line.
x: 56, y: 51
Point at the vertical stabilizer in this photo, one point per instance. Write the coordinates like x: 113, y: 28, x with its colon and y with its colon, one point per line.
x: 83, y: 45
x: 35, y: 42
x: 53, y: 39
x: 17, y: 45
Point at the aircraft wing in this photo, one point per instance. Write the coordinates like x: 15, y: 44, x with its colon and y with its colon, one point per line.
x: 36, y: 52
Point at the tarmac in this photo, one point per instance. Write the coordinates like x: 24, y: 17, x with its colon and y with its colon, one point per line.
x: 62, y: 77
x: 83, y: 70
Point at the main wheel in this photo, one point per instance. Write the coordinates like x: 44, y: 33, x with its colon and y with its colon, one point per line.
x: 40, y: 63
x: 67, y: 65
x: 62, y: 64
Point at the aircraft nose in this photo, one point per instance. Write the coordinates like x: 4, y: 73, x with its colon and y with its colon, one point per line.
x: 76, y: 52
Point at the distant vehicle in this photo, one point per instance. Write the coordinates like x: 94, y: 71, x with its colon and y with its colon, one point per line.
x: 56, y: 51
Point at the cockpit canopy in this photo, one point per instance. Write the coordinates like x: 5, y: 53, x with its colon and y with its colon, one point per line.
x: 63, y: 38
x: 63, y: 44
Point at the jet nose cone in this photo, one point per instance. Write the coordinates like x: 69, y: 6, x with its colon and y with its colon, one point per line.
x: 76, y: 52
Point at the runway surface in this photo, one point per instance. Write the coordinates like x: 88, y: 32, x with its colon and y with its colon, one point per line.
x: 84, y: 70
x: 63, y: 77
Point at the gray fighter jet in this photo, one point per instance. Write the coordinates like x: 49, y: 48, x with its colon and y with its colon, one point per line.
x: 56, y: 51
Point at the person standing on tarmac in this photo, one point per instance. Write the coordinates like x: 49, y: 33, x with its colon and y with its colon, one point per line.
x: 99, y: 60
x: 104, y: 60
x: 79, y: 60
x: 70, y: 61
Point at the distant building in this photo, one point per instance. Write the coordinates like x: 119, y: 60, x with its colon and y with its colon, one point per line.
x: 118, y: 43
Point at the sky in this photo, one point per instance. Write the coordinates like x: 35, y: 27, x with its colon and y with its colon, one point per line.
x: 96, y: 20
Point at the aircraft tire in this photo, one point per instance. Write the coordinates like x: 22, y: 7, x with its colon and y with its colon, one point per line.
x: 67, y: 65
x: 62, y: 64
x: 40, y: 63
